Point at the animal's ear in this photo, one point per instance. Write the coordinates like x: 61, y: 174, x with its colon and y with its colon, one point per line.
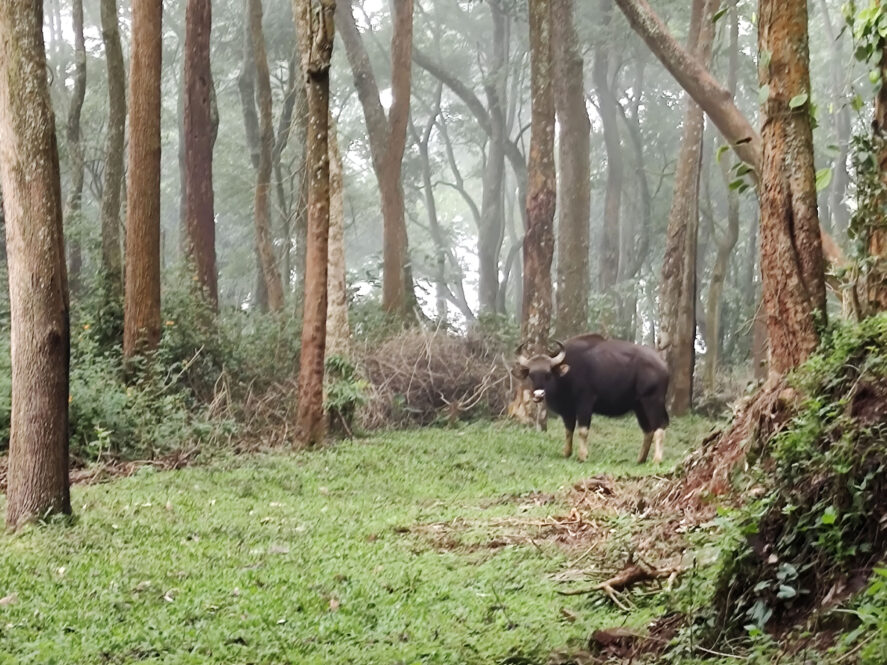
x: 520, y: 372
x: 562, y: 369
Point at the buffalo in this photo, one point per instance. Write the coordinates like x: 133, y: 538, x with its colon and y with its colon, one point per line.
x: 592, y: 374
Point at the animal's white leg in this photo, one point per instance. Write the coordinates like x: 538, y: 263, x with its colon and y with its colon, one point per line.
x: 568, y: 443
x: 659, y: 441
x: 645, y: 447
x: 583, y: 444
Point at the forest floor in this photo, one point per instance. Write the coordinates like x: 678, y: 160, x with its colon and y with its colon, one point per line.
x: 425, y: 546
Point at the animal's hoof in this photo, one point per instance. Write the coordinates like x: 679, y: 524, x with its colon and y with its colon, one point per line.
x: 581, y: 457
x: 568, y: 452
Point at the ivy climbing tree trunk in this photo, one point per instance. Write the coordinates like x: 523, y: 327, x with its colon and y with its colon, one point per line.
x: 575, y: 175
x: 37, y: 476
x: 338, y: 330
x: 112, y: 260
x: 200, y: 135
x: 387, y: 136
x: 262, y: 209
x: 75, y: 145
x: 876, y: 277
x: 791, y: 251
x: 315, y: 30
x: 141, y: 316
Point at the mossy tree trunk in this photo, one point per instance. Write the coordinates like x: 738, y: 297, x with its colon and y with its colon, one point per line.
x: 38, y: 290
x: 141, y: 315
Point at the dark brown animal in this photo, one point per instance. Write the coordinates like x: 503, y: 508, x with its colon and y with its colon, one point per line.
x: 591, y: 374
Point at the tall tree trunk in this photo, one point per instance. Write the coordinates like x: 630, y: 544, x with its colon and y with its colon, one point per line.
x: 727, y: 242
x: 112, y: 261
x: 38, y: 291
x: 609, y: 244
x: 791, y: 250
x: 141, y: 316
x: 387, y: 137
x: 262, y: 211
x: 338, y: 330
x: 200, y: 136
x: 492, y: 218
x: 75, y: 147
x: 677, y: 293
x: 541, y: 197
x: 575, y: 175
x: 300, y: 216
x: 315, y: 34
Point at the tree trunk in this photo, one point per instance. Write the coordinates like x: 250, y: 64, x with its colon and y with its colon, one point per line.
x: 791, y: 250
x: 541, y: 197
x: 492, y: 218
x: 338, y: 330
x: 112, y: 261
x: 315, y: 33
x: 75, y: 147
x: 200, y: 136
x: 37, y: 476
x: 264, y: 243
x: 677, y: 294
x: 141, y: 317
x: 387, y: 138
x: 575, y: 175
x: 609, y: 244
x: 727, y: 242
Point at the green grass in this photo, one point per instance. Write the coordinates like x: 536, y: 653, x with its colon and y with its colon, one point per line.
x: 312, y: 557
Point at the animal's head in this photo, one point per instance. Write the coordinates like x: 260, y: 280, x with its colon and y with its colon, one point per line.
x: 542, y: 371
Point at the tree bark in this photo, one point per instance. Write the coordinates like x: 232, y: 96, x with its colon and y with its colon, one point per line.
x: 315, y: 34
x: 75, y: 146
x: 387, y: 136
x: 338, y: 330
x: 112, y: 261
x: 609, y: 244
x: 677, y: 293
x: 200, y: 136
x: 575, y: 175
x: 38, y: 291
x: 262, y: 209
x: 791, y: 250
x: 141, y: 317
x: 541, y: 196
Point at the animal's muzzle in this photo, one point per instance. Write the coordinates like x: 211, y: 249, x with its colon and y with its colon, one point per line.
x: 538, y: 395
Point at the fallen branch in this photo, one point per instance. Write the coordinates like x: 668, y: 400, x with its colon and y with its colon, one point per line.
x: 633, y: 573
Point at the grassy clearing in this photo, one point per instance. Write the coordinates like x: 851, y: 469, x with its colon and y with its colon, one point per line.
x: 316, y: 557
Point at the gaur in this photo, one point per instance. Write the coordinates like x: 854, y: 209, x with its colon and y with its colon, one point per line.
x: 592, y: 374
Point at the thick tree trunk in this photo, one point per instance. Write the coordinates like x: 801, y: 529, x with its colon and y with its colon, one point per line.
x: 200, y: 136
x: 677, y: 293
x: 75, y: 147
x: 315, y: 33
x: 541, y: 197
x: 791, y: 250
x: 112, y: 260
x: 262, y: 210
x: 38, y: 291
x: 387, y: 136
x: 141, y: 317
x: 608, y: 272
x: 574, y: 197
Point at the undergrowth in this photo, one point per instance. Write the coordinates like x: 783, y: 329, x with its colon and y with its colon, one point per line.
x: 820, y: 526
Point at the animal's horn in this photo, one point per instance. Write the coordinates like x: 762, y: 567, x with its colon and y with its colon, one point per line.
x: 559, y: 358
x: 522, y: 360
